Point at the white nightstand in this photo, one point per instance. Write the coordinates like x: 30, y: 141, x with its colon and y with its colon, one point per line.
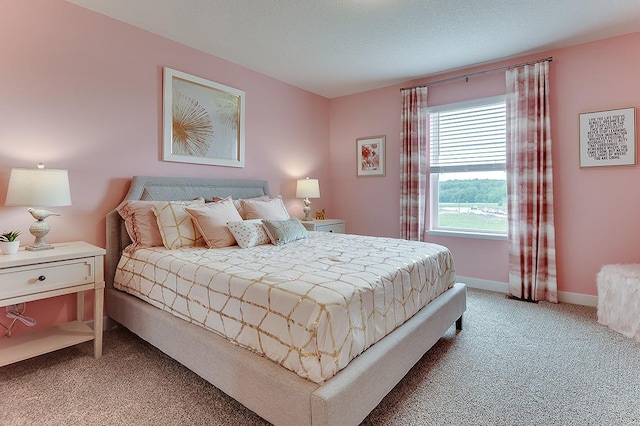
x: 327, y: 225
x: 33, y: 275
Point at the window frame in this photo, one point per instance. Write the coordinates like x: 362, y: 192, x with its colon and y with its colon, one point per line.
x: 433, y: 201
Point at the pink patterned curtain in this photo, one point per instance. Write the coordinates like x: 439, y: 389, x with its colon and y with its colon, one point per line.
x: 413, y: 163
x: 532, y: 257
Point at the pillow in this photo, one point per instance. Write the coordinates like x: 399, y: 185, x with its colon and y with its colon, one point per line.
x: 141, y: 223
x: 211, y: 221
x: 249, y: 233
x: 285, y: 231
x: 272, y: 209
x: 238, y: 204
x: 175, y: 224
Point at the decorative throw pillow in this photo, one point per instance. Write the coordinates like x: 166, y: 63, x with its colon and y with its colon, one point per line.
x: 175, y: 224
x: 285, y: 231
x: 141, y: 223
x: 249, y: 233
x: 211, y: 220
x: 238, y: 203
x: 272, y: 209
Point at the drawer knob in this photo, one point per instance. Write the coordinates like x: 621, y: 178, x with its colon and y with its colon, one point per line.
x: 42, y: 278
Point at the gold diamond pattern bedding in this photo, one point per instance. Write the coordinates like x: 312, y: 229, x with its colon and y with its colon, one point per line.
x: 311, y: 305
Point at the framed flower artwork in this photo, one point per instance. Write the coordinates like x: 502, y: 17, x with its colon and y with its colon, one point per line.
x: 370, y: 156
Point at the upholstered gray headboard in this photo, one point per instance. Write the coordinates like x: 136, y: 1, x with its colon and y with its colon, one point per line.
x: 159, y: 188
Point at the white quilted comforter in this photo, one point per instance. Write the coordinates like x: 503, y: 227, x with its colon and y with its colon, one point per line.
x: 310, y: 305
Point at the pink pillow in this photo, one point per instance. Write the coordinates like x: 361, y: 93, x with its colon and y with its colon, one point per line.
x: 272, y: 209
x: 238, y: 203
x: 141, y: 222
x: 211, y: 220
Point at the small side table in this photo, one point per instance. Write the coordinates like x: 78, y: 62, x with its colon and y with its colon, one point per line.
x: 326, y: 225
x: 619, y: 298
x: 68, y: 268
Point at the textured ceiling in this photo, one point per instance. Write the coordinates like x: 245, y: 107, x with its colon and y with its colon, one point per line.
x: 339, y: 47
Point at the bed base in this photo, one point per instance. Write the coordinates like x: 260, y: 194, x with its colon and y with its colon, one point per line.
x: 279, y: 395
x: 276, y: 394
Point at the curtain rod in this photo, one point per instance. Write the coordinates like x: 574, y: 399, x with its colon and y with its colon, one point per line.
x: 475, y: 74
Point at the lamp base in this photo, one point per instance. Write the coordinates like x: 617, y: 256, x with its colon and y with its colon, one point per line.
x: 39, y: 229
x: 307, y: 210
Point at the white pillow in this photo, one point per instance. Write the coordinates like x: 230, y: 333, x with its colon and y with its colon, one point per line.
x: 175, y: 224
x: 249, y: 233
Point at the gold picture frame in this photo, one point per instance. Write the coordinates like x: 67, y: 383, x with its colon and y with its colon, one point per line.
x: 203, y: 121
x: 608, y: 138
x: 370, y: 156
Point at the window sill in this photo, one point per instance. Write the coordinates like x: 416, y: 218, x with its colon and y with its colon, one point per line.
x: 459, y: 234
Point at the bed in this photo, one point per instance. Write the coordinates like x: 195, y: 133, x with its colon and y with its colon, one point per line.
x: 277, y: 394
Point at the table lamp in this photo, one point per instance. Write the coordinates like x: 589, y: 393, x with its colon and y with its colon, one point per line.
x: 307, y: 188
x: 38, y: 188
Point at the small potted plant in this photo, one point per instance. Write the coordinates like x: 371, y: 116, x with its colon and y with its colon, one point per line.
x: 9, y: 243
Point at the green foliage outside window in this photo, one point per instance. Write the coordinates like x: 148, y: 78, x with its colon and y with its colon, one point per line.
x: 473, y: 191
x: 473, y: 204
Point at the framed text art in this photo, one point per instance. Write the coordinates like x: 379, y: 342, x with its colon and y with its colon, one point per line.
x: 203, y: 121
x: 370, y: 156
x: 608, y: 138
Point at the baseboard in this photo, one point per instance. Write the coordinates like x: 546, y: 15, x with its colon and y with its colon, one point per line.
x: 484, y: 284
x: 107, y: 323
x: 577, y: 298
x: 500, y: 287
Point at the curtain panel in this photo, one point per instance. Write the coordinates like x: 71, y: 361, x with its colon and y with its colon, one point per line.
x: 532, y: 258
x: 413, y: 164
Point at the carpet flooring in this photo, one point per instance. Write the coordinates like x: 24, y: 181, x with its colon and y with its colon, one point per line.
x: 515, y: 363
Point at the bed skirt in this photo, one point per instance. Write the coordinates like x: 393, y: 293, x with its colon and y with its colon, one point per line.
x: 279, y: 395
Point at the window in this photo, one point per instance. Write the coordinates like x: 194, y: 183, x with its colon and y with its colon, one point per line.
x: 468, y: 191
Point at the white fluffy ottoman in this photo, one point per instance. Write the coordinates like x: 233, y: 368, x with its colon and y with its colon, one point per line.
x: 619, y: 298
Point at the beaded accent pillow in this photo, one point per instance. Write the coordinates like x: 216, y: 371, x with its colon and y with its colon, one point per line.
x: 249, y: 233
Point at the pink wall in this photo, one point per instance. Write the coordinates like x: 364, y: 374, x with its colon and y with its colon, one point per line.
x: 83, y: 92
x: 594, y: 208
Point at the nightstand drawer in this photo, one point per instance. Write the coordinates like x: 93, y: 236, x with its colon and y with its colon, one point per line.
x: 338, y: 228
x: 325, y: 225
x: 19, y: 281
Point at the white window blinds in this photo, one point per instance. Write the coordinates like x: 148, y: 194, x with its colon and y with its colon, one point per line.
x: 468, y: 137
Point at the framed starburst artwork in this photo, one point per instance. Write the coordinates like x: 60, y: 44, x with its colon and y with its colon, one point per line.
x: 203, y: 121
